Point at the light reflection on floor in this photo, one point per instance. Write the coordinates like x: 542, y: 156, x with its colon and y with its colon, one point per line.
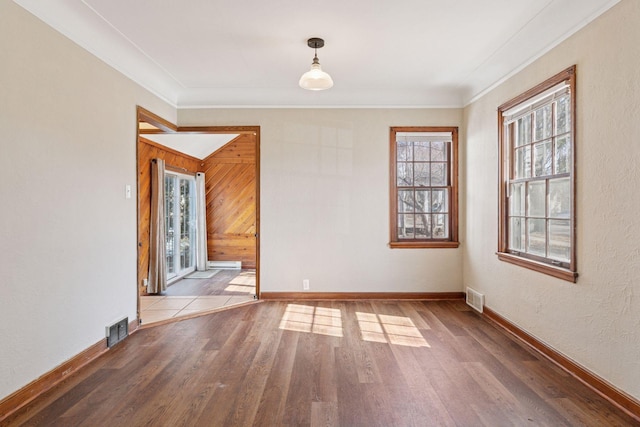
x: 382, y: 328
x: 318, y: 320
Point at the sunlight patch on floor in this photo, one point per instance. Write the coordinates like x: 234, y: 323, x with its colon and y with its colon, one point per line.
x: 241, y: 288
x: 317, y: 320
x: 244, y: 282
x: 396, y: 330
x: 246, y: 278
x: 381, y: 328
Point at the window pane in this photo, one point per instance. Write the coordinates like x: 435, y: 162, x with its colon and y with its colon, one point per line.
x: 440, y: 226
x: 560, y: 198
x: 405, y: 226
x: 542, y: 158
x: 421, y: 151
x: 405, y: 152
x: 543, y: 123
x: 536, y: 199
x: 523, y: 162
x: 438, y: 151
x: 563, y: 115
x: 422, y: 187
x: 536, y: 240
x: 438, y: 177
x: 405, y: 201
x: 423, y: 227
x: 422, y: 201
x: 405, y: 174
x: 516, y: 234
x: 537, y: 185
x: 516, y: 200
x: 439, y: 199
x: 560, y: 240
x: 187, y: 223
x: 563, y: 155
x: 523, y: 131
x: 170, y: 226
x: 421, y: 174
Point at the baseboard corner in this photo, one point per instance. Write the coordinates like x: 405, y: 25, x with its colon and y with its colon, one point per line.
x: 620, y: 399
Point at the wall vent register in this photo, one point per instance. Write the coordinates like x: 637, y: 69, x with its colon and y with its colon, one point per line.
x: 117, y: 332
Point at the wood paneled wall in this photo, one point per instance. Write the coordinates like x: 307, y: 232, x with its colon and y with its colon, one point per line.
x: 230, y: 175
x: 147, y: 151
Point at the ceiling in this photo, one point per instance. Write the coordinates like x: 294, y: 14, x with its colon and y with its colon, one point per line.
x: 380, y: 53
x: 198, y: 145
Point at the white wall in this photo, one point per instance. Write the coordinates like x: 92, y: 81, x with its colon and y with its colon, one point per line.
x: 67, y: 233
x: 596, y: 321
x: 325, y: 200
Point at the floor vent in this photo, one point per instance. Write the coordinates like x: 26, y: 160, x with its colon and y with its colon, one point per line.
x: 117, y: 332
x: 475, y: 299
x: 225, y: 265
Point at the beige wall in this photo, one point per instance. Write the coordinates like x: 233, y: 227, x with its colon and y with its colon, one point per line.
x: 324, y: 200
x: 67, y: 233
x: 596, y: 321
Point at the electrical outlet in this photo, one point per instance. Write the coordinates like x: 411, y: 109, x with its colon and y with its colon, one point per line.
x: 305, y: 284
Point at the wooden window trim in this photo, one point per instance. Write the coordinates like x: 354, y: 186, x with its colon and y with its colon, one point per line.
x: 452, y: 242
x: 569, y: 274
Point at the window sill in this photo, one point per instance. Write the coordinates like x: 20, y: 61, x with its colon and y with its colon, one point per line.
x: 558, y: 272
x: 423, y: 245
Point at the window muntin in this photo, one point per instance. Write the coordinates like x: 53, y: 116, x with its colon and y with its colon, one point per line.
x: 537, y: 208
x: 423, y: 187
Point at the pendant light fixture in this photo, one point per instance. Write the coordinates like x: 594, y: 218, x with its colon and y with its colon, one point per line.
x: 315, y: 79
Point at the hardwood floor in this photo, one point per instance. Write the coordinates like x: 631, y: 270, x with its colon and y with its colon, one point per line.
x: 329, y: 363
x: 225, y: 282
x: 189, y: 297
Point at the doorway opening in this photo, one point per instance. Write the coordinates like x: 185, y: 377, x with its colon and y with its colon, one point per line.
x: 210, y: 243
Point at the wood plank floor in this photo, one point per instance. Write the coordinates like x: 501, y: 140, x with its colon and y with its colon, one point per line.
x: 225, y: 282
x: 323, y: 364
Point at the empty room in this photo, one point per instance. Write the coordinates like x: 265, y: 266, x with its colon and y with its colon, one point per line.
x: 354, y: 213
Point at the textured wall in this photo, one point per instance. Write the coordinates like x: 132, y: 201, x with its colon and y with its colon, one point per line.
x: 596, y: 321
x: 68, y: 149
x: 324, y: 202
x: 67, y: 233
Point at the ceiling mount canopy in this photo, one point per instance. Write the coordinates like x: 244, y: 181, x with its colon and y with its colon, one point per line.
x: 315, y: 79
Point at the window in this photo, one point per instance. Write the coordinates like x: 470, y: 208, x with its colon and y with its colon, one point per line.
x: 424, y: 187
x: 180, y: 224
x: 537, y: 178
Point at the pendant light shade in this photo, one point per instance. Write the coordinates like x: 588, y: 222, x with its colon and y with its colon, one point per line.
x: 315, y: 78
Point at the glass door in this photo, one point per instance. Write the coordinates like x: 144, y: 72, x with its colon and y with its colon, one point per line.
x: 180, y: 224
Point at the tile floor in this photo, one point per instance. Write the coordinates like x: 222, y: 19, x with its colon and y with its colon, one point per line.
x: 157, y: 308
